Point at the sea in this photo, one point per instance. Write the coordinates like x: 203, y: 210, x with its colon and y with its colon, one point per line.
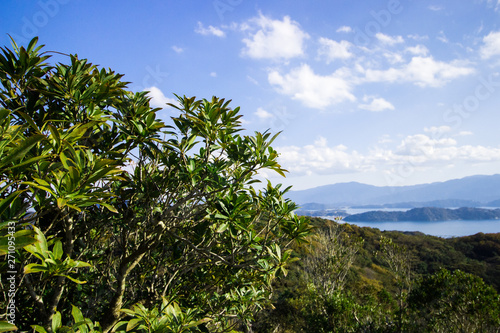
x: 444, y: 229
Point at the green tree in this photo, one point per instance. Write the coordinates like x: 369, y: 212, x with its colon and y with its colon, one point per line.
x: 399, y: 260
x: 130, y: 211
x: 454, y: 302
x: 332, y: 254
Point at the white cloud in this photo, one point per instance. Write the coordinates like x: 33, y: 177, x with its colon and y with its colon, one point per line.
x: 376, y: 104
x: 435, y: 8
x: 442, y: 37
x: 263, y: 114
x: 274, y: 39
x: 419, y: 50
x: 437, y: 130
x: 393, y: 58
x: 251, y: 79
x: 491, y: 46
x: 346, y: 29
x: 415, y: 151
x: 332, y: 50
x: 495, y: 3
x: 177, y: 49
x: 420, y: 149
x: 211, y: 30
x: 213, y: 74
x: 319, y: 158
x: 158, y: 99
x: 418, y: 37
x: 423, y: 145
x: 422, y: 71
x: 388, y: 40
x: 313, y: 90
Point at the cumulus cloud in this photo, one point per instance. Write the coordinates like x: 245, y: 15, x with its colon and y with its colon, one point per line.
x: 319, y: 158
x: 263, y: 114
x: 313, y: 90
x: 419, y: 50
x: 375, y: 104
x: 331, y: 49
x: 346, y: 29
x: 211, y: 30
x: 417, y: 151
x: 177, y: 49
x: 491, y: 46
x: 158, y: 99
x: 437, y: 130
x: 423, y: 145
x: 274, y: 39
x: 389, y: 40
x: 422, y: 71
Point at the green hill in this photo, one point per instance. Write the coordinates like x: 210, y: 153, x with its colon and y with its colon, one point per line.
x: 357, y: 282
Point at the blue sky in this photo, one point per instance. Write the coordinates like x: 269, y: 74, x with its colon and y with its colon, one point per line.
x: 381, y: 92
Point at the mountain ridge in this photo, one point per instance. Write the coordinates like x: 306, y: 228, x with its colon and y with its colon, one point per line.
x: 479, y: 188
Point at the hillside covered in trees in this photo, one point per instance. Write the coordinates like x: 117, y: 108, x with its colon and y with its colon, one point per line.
x: 360, y: 279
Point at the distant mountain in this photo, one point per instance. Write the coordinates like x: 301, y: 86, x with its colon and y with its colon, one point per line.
x: 426, y: 214
x: 435, y: 203
x: 474, y: 189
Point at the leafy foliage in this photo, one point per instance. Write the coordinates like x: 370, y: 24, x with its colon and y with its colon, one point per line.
x: 139, y: 209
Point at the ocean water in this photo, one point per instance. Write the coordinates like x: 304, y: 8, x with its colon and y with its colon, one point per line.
x: 443, y: 229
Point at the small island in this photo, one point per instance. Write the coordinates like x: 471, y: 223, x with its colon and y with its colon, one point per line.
x: 426, y: 214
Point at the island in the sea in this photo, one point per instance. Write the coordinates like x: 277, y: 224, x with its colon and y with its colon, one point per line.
x: 426, y: 214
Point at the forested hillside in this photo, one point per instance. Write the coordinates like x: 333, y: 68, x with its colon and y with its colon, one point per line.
x: 427, y: 214
x: 359, y: 279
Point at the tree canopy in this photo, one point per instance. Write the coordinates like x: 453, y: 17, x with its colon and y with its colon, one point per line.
x: 138, y: 223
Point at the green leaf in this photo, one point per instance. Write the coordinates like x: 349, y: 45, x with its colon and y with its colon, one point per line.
x: 133, y: 323
x: 57, y: 250
x: 29, y: 120
x: 41, y: 187
x: 5, y: 203
x: 28, y: 161
x: 7, y: 327
x: 73, y: 279
x: 4, y: 113
x: 77, y: 314
x: 35, y: 268
x: 56, y: 321
x: 65, y: 160
x: 55, y: 135
x: 23, y: 238
x: 78, y: 263
x: 19, y: 152
x: 61, y: 202
x: 79, y: 320
x: 38, y: 328
x: 109, y: 207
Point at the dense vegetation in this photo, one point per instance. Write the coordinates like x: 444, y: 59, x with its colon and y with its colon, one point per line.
x: 388, y: 282
x: 113, y: 220
x: 138, y: 225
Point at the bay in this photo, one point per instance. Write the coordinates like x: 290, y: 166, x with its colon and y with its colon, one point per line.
x: 445, y: 229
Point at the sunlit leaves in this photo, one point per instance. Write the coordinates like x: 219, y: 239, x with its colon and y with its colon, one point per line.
x: 52, y: 262
x: 149, y: 210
